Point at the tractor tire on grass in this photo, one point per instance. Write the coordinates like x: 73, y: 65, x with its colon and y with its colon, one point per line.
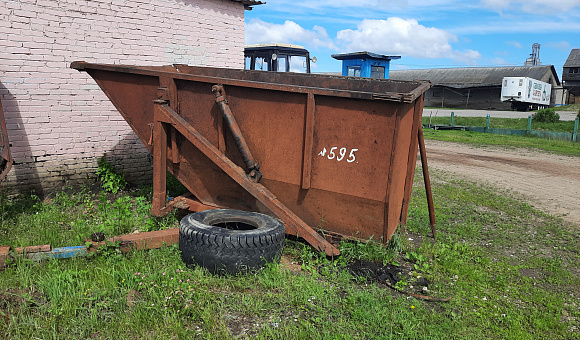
x: 229, y: 241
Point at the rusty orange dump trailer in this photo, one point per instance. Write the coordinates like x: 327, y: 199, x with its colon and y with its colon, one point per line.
x: 319, y: 152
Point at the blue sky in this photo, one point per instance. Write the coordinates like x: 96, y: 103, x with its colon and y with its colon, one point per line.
x: 426, y: 34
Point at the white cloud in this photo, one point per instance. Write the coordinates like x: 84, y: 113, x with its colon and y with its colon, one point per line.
x: 561, y: 45
x: 531, y: 6
x: 396, y: 36
x: 361, y: 7
x: 519, y: 26
x: 496, y: 5
x: 499, y: 61
x: 374, y: 4
x: 467, y: 56
x: 261, y: 32
x: 514, y: 44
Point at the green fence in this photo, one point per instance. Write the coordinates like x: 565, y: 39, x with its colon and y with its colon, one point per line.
x: 527, y: 132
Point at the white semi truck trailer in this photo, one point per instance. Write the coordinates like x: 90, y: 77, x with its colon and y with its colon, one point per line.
x: 525, y: 93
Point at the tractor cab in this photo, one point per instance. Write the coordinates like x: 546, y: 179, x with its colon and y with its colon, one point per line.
x: 278, y: 58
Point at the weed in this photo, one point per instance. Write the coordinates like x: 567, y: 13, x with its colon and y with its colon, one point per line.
x: 546, y: 116
x: 79, y: 197
x: 110, y: 250
x: 126, y: 214
x: 400, y: 285
x: 420, y: 261
x: 395, y: 244
x: 111, y: 179
x: 369, y: 250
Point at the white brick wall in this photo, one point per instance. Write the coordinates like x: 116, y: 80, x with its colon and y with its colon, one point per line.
x: 59, y: 122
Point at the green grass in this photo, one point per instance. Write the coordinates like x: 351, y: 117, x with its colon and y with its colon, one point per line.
x: 502, y: 123
x: 484, y: 139
x: 512, y: 272
x: 64, y: 217
x: 571, y: 107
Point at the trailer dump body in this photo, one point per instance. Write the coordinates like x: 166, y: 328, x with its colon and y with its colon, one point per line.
x: 317, y: 151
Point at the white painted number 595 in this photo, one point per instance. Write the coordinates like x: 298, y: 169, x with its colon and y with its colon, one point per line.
x: 340, y: 155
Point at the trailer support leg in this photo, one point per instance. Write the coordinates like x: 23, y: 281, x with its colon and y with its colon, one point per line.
x: 159, y: 168
x: 427, y: 182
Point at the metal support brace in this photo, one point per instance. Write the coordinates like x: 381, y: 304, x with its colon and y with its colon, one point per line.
x: 251, y: 164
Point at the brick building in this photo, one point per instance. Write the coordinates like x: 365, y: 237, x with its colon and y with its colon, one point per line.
x: 59, y: 122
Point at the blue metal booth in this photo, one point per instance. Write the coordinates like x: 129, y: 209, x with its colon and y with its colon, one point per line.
x: 365, y: 64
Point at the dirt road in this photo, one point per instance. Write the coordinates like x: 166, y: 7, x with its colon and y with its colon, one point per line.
x: 547, y: 181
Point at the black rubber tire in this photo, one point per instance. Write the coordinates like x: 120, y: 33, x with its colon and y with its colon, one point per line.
x: 204, y: 242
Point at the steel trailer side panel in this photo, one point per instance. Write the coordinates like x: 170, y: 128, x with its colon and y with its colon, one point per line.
x: 352, y: 146
x: 342, y: 214
x: 127, y: 94
x: 399, y: 170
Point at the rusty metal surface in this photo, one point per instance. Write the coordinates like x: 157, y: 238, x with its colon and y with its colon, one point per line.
x: 428, y: 191
x: 32, y: 249
x: 147, y: 240
x: 5, y: 155
x: 335, y: 152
